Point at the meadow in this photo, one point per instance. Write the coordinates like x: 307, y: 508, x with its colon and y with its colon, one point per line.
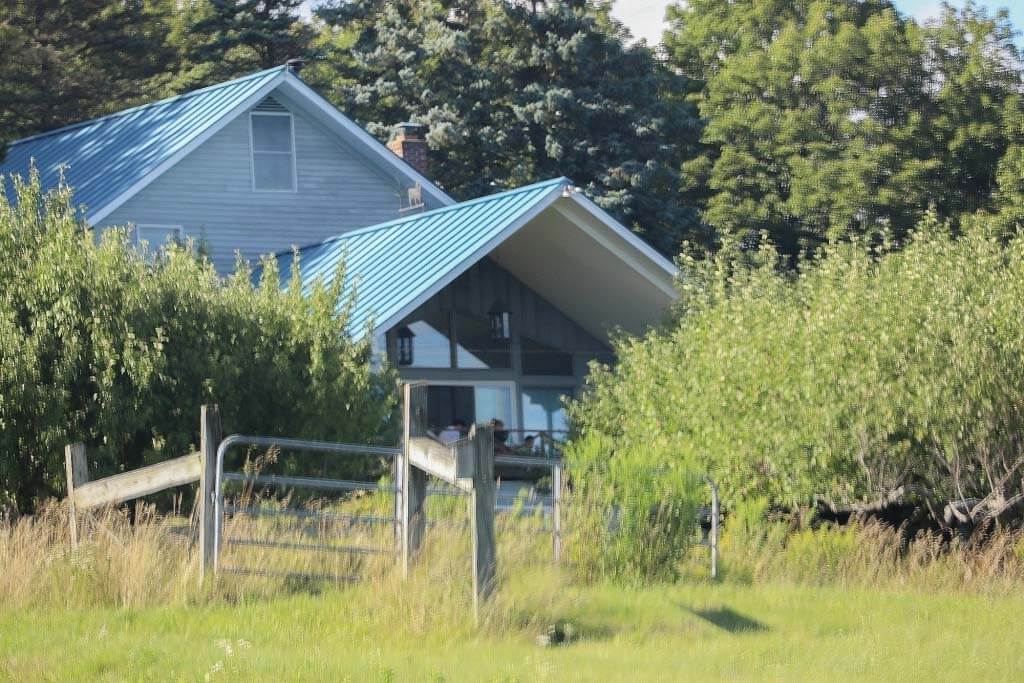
x: 680, y: 632
x: 850, y: 604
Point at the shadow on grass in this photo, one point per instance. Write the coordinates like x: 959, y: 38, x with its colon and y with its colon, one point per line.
x: 729, y: 620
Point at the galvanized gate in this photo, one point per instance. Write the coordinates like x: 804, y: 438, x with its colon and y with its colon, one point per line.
x: 241, y: 523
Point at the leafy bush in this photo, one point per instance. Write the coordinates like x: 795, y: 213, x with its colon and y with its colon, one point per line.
x: 634, y: 511
x: 100, y: 346
x: 862, y: 371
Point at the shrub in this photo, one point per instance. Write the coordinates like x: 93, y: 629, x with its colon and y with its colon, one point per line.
x: 99, y: 345
x: 862, y: 371
x: 633, y: 512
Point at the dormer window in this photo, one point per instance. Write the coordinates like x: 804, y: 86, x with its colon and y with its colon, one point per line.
x: 273, y: 151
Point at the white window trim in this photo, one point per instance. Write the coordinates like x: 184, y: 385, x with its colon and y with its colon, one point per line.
x: 252, y: 153
x: 166, y: 227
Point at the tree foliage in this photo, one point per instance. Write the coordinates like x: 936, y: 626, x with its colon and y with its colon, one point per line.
x: 63, y: 61
x: 516, y: 92
x: 101, y: 346
x: 218, y: 40
x: 634, y: 510
x: 828, y: 119
x: 846, y: 380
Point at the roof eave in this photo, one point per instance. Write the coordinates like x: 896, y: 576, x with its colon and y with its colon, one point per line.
x: 625, y: 233
x: 94, y: 216
x: 296, y: 87
x: 542, y: 204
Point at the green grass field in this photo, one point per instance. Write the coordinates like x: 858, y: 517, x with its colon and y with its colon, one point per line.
x: 682, y: 632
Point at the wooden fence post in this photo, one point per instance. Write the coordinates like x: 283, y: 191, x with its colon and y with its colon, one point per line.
x: 485, y: 562
x: 210, y: 436
x: 414, y: 481
x: 77, y: 468
x: 398, y: 525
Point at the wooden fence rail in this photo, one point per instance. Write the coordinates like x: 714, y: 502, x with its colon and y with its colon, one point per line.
x: 467, y: 464
x: 137, y: 483
x: 120, y: 488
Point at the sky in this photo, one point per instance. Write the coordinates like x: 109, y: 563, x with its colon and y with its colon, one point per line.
x: 644, y: 17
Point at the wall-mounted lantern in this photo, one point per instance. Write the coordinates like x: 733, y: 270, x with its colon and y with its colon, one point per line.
x: 405, y: 338
x: 501, y: 330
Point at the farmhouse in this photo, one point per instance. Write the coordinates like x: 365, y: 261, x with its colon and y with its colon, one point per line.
x: 498, y: 303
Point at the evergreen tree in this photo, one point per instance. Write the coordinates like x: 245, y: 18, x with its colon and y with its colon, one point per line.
x: 63, y: 61
x: 814, y: 114
x: 219, y: 40
x: 516, y: 92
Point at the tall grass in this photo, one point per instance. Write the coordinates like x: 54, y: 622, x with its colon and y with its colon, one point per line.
x: 120, y: 564
x: 870, y: 554
x: 153, y: 561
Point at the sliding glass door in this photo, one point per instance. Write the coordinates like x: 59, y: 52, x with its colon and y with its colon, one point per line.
x: 470, y: 402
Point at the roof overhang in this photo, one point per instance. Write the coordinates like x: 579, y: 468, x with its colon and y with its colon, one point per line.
x: 97, y: 214
x: 591, y: 268
x: 579, y: 258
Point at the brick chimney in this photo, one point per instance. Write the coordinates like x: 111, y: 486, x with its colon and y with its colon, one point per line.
x: 407, y: 141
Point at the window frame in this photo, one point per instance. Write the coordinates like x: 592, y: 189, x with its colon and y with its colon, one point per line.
x: 252, y: 152
x: 510, y: 384
x: 458, y: 314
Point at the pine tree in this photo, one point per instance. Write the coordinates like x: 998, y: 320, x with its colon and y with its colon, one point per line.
x: 512, y: 93
x: 218, y: 40
x: 63, y: 61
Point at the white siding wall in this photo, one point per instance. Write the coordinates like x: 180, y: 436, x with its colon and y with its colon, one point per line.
x: 210, y: 194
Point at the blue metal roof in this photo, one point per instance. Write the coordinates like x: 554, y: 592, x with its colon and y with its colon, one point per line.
x: 393, y: 264
x: 105, y: 157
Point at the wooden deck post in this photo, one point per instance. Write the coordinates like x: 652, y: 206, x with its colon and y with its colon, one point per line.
x: 414, y: 480
x: 481, y: 511
x: 77, y: 468
x: 210, y: 435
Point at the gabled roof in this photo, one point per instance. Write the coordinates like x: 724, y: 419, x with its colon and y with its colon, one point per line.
x: 109, y: 159
x: 394, y: 267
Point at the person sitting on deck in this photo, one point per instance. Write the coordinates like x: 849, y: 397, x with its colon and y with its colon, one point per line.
x: 500, y: 436
x: 452, y: 432
x: 527, y: 447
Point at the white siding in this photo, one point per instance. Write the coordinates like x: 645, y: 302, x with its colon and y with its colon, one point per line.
x: 210, y: 194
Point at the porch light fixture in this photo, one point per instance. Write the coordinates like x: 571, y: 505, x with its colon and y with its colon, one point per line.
x: 501, y: 330
x: 405, y: 337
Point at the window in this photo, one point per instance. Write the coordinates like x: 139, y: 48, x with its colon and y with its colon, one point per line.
x: 544, y: 411
x: 478, y: 349
x: 470, y: 403
x: 273, y: 152
x: 151, y: 238
x: 494, y: 402
x: 427, y: 342
x: 541, y: 359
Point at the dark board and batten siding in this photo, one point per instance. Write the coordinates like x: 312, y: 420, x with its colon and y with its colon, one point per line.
x: 209, y: 193
x: 475, y: 291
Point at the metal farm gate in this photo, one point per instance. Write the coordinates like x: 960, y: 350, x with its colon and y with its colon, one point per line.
x: 331, y: 527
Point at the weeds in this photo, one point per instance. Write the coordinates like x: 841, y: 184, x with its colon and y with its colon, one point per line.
x: 867, y: 555
x: 153, y: 562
